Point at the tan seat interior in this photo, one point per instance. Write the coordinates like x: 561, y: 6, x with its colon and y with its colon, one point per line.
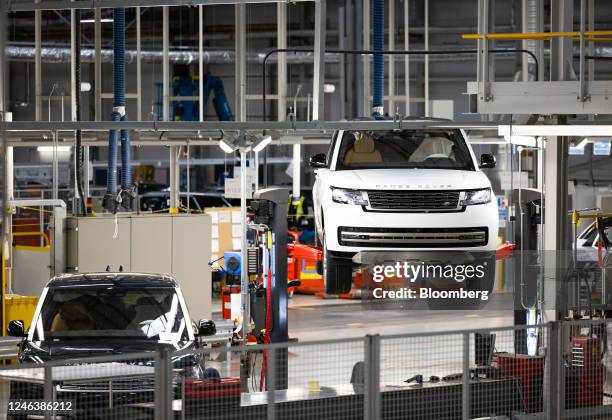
x: 435, y: 147
x: 362, y: 151
x: 72, y: 316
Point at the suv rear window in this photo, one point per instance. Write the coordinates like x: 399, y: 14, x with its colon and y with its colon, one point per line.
x: 431, y: 149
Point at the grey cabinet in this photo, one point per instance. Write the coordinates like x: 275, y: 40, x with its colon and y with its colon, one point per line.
x: 178, y: 245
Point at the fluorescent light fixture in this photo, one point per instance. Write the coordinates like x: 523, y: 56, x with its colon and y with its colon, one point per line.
x: 262, y: 143
x: 104, y: 20
x: 47, y: 149
x: 556, y: 130
x: 227, y: 146
x: 329, y: 88
x: 526, y: 141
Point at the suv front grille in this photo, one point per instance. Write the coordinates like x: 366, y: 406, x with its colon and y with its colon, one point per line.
x: 120, y: 385
x: 416, y: 201
x: 413, y: 237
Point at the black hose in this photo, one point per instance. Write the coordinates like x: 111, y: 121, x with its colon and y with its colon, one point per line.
x: 385, y: 52
x: 78, y: 149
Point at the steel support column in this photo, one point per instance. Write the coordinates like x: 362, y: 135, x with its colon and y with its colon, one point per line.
x: 342, y: 76
x: 407, y: 57
x: 391, y: 58
x: 532, y: 13
x: 426, y: 61
x: 6, y: 222
x: 318, y: 99
x: 240, y: 65
x: 201, y: 62
x: 561, y: 54
x: 98, y: 64
x: 281, y: 64
x: 138, y: 66
x: 359, y: 80
x: 555, y: 215
x: 367, y: 68
x: 37, y: 65
x: 174, y: 150
x: 245, y: 303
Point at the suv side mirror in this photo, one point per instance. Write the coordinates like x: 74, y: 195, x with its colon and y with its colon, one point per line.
x: 487, y: 161
x: 318, y: 161
x: 16, y: 328
x: 206, y: 327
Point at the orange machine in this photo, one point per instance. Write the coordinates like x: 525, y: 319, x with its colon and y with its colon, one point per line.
x: 304, y: 264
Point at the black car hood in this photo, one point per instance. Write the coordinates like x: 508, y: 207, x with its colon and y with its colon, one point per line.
x: 42, y: 351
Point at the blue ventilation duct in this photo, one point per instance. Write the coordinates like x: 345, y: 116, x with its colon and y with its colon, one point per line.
x: 379, y: 61
x: 119, y: 114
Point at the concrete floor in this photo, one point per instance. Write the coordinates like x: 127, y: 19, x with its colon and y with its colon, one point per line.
x: 311, y: 318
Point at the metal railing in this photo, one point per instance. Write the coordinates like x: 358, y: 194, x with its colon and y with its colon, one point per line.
x: 553, y: 370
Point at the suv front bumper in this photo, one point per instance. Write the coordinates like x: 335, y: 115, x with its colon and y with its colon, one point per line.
x: 350, y: 228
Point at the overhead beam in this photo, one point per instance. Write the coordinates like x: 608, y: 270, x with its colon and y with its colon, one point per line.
x: 208, y: 126
x: 89, y: 4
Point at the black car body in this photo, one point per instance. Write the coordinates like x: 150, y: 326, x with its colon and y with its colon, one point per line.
x: 99, y: 314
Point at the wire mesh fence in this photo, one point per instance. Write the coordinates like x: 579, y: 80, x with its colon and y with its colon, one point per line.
x: 420, y: 376
x: 552, y: 371
x: 586, y: 377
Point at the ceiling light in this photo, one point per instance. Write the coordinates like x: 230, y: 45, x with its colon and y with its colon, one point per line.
x: 46, y: 149
x: 227, y: 146
x: 329, y: 88
x: 104, y: 20
x: 261, y: 144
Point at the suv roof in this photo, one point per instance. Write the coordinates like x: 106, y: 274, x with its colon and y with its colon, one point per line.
x: 117, y: 279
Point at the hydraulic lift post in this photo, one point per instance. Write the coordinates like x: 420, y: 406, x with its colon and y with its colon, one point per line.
x: 279, y: 333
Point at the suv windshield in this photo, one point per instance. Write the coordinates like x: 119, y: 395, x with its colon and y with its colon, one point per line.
x: 431, y: 149
x: 107, y: 311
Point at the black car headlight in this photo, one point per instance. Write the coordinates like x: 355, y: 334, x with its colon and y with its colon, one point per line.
x: 345, y: 196
x: 469, y: 198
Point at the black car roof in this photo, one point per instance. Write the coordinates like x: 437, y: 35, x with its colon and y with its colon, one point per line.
x: 118, y: 279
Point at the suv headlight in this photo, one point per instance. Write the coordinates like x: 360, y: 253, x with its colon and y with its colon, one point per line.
x: 341, y: 195
x: 469, y: 198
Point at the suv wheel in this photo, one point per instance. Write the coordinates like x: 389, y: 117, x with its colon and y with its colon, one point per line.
x: 337, y: 273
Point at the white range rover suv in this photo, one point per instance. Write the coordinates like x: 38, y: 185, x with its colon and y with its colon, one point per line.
x: 400, y: 190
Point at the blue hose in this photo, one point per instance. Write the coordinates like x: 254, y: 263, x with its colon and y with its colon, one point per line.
x: 119, y: 105
x: 126, y: 158
x: 379, y: 61
x: 119, y: 56
x: 111, y: 177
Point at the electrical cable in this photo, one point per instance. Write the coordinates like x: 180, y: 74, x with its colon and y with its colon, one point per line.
x: 383, y: 52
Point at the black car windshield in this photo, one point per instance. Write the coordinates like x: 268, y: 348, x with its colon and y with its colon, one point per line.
x: 107, y: 311
x: 428, y: 149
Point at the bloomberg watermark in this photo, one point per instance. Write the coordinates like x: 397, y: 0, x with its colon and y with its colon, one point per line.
x: 427, y: 279
x: 411, y: 272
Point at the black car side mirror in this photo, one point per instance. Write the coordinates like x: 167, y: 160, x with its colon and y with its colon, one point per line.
x: 487, y: 161
x: 16, y: 328
x: 318, y: 161
x: 206, y: 327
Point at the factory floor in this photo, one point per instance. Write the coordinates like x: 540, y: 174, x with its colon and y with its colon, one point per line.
x: 312, y: 318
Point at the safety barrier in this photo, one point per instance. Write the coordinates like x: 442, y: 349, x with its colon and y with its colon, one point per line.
x: 549, y: 371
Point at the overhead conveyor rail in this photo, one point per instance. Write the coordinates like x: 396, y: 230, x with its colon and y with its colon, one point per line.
x: 543, y: 36
x: 30, y: 5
